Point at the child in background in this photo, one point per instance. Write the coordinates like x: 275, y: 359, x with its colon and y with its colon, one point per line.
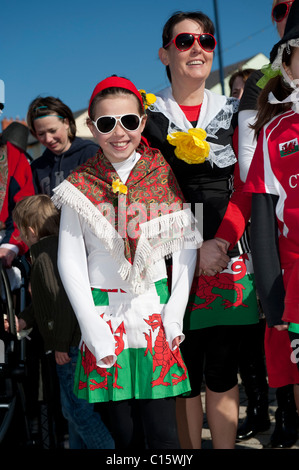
x: 111, y: 259
x: 38, y: 221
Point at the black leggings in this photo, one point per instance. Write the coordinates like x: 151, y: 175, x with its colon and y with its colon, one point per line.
x: 212, y: 353
x: 141, y: 424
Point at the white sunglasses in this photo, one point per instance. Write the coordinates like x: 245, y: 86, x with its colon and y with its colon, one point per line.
x: 106, y: 124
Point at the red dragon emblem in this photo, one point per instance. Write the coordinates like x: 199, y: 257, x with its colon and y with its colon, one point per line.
x: 162, y: 354
x: 224, y: 281
x: 89, y: 362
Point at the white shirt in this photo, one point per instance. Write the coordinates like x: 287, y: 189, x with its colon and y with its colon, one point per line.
x: 247, y: 141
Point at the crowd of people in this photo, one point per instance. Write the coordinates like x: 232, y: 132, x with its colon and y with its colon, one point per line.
x: 138, y: 305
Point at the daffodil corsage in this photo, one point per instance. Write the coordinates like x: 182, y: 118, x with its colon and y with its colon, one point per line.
x: 120, y: 188
x: 147, y: 98
x: 191, y: 146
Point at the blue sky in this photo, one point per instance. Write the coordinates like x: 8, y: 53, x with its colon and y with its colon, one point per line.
x: 64, y: 47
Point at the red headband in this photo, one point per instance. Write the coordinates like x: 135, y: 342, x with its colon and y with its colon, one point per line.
x: 115, y: 82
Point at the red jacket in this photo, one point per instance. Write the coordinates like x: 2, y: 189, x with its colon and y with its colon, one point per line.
x: 19, y: 185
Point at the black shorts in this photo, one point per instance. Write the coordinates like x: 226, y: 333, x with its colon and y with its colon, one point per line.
x: 213, y: 354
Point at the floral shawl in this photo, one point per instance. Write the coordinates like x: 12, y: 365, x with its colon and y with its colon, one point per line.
x: 149, y: 222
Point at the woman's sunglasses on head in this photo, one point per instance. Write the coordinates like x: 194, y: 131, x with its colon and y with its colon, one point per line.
x: 184, y: 41
x: 106, y: 124
x: 281, y: 10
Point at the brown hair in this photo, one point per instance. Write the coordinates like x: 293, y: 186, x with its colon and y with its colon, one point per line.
x: 38, y: 212
x: 280, y: 89
x: 41, y: 107
x: 167, y: 35
x: 244, y: 74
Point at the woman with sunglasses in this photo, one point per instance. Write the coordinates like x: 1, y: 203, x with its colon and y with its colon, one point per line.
x: 52, y: 122
x: 204, y: 162
x: 112, y: 250
x: 252, y: 361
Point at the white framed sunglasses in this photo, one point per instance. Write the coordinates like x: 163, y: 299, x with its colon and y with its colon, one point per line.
x: 106, y: 124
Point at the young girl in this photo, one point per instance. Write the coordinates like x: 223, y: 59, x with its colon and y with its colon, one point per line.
x: 122, y: 214
x: 273, y: 178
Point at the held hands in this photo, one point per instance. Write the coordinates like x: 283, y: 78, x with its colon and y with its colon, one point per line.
x: 212, y: 257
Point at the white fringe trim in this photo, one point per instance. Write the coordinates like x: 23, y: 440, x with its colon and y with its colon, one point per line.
x: 160, y: 237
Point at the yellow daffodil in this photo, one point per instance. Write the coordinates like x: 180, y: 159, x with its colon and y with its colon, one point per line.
x: 148, y: 98
x: 119, y: 187
x: 190, y: 146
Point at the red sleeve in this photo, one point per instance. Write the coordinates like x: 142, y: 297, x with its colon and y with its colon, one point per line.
x: 291, y: 301
x: 238, y: 210
x: 20, y: 186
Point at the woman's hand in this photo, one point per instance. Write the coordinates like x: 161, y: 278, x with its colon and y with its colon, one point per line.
x: 212, y: 257
x: 62, y: 358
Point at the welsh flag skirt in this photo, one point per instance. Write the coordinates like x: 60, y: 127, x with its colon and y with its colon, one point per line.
x: 145, y: 367
x: 228, y: 298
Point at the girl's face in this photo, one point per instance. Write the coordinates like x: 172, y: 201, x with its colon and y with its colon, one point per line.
x: 119, y: 144
x: 194, y: 63
x: 52, y: 132
x: 293, y: 69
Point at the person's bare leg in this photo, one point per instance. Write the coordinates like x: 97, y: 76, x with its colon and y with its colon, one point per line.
x: 222, y: 415
x: 190, y: 422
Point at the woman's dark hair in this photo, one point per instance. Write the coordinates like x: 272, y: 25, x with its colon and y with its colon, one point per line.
x: 280, y: 89
x: 203, y: 20
x: 40, y: 107
x: 112, y: 91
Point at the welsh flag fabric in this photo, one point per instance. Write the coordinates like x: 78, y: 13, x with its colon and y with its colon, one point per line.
x: 146, y: 367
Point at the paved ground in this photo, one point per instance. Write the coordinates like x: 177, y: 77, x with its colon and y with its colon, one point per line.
x: 260, y: 439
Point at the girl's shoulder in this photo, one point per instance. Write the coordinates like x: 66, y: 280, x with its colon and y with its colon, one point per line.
x: 281, y: 123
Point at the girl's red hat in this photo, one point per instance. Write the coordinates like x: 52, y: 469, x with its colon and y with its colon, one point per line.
x: 115, y: 82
